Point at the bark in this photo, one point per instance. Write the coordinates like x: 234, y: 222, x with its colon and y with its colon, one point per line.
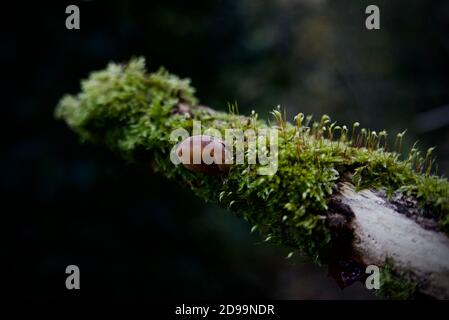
x: 381, y: 229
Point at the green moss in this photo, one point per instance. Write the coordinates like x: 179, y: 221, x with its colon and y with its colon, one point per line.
x: 396, y: 285
x: 124, y: 107
x: 133, y: 113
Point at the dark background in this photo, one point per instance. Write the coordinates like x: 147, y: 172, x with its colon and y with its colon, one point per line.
x: 136, y: 235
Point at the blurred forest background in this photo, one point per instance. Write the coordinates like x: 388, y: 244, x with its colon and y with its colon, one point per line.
x: 132, y: 233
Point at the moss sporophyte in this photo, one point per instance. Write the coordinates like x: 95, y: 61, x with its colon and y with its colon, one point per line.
x: 133, y: 113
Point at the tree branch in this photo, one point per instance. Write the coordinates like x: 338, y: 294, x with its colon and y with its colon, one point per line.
x: 399, y: 222
x: 381, y: 232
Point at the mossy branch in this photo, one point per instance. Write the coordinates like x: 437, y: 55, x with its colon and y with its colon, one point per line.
x: 303, y: 206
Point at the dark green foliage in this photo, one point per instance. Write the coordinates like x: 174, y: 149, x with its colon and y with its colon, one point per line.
x: 394, y: 285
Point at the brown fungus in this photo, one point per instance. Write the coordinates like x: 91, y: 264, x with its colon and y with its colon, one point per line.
x: 204, y: 154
